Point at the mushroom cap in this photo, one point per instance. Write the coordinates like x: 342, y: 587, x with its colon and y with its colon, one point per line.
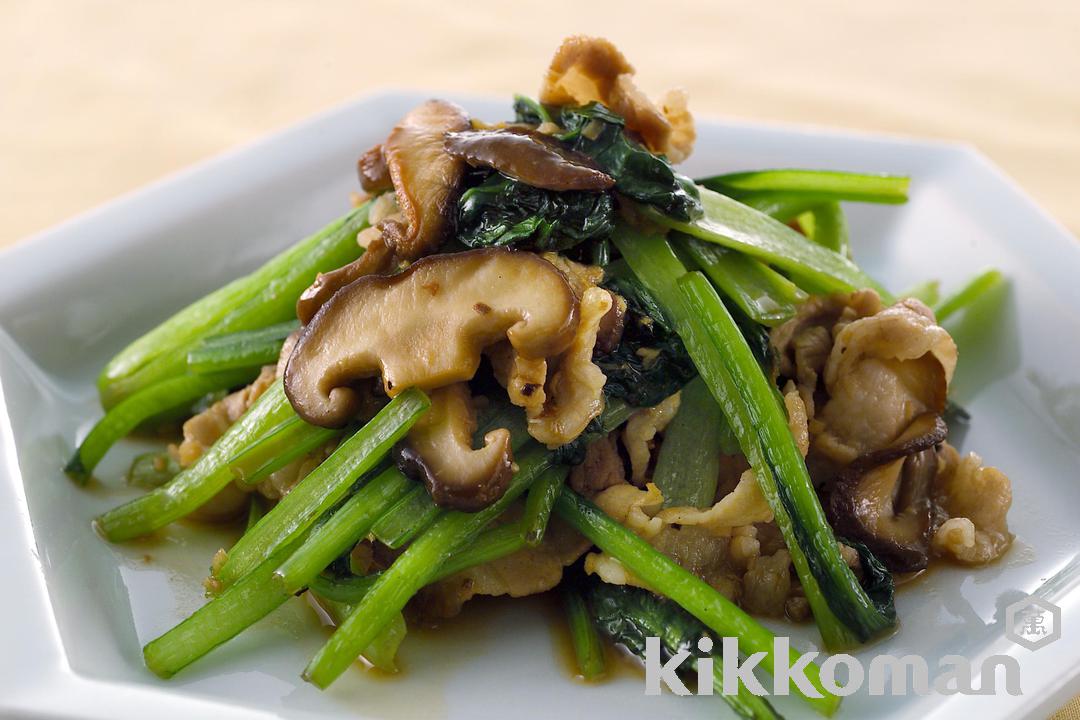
x: 372, y: 171
x: 426, y: 178
x: 883, y: 498
x: 378, y: 258
x: 531, y: 157
x: 426, y: 327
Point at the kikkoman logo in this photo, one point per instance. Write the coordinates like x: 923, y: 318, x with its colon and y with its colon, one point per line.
x: 1032, y: 623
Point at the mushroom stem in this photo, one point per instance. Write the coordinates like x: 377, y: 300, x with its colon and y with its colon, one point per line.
x: 439, y: 453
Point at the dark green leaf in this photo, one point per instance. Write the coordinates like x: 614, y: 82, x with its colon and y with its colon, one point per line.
x: 876, y: 579
x: 529, y: 111
x: 500, y: 211
x: 650, y: 363
x: 629, y: 615
x: 639, y: 174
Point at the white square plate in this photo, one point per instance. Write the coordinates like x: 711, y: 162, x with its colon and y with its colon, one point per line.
x: 77, y: 610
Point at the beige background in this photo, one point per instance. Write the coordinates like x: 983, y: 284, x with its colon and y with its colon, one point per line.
x: 98, y: 98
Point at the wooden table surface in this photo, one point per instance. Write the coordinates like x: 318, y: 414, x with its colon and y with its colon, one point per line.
x: 99, y: 98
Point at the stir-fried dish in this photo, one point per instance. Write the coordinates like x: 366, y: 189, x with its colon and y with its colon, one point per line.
x: 536, y: 356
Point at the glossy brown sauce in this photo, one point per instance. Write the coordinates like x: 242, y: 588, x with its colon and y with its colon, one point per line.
x: 446, y: 636
x: 618, y: 661
x: 449, y: 637
x: 326, y: 622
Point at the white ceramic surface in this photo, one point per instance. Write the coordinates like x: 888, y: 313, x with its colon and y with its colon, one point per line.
x: 76, y: 610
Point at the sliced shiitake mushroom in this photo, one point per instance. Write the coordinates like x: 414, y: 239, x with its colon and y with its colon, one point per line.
x: 426, y: 327
x: 439, y: 453
x: 377, y: 259
x: 883, y: 498
x: 426, y: 178
x: 373, y: 172
x: 531, y: 157
x: 610, y: 332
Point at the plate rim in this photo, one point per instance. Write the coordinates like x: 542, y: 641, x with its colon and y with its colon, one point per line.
x: 24, y: 688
